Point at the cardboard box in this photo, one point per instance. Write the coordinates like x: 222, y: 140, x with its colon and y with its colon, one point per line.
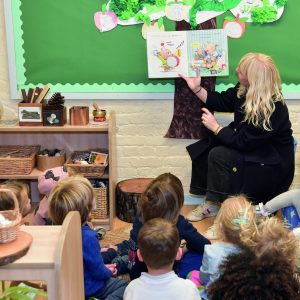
x: 49, y: 162
x: 54, y: 117
x: 79, y: 115
x: 30, y: 114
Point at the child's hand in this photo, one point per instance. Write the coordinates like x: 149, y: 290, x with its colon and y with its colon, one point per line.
x: 113, y: 247
x: 112, y: 268
x: 109, y: 247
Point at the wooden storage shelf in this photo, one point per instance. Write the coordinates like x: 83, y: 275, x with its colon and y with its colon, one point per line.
x: 70, y: 138
x: 36, y: 173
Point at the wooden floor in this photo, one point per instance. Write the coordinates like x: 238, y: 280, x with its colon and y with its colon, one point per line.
x: 201, y: 225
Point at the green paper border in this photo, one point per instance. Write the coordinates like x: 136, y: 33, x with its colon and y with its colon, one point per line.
x: 95, y: 88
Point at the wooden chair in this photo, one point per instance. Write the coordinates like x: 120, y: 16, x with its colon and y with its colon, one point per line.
x: 55, y: 256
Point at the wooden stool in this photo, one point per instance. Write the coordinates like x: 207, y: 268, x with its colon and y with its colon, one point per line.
x: 128, y: 192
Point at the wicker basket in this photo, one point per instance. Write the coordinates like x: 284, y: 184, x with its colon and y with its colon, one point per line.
x: 101, y: 210
x: 9, y: 232
x: 17, y: 160
x: 90, y: 170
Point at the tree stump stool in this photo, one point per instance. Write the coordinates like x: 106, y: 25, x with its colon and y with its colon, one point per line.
x: 128, y: 192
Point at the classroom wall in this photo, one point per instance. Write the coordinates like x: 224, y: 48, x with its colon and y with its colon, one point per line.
x: 142, y: 150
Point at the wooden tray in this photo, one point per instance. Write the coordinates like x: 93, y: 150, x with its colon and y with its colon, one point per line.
x: 14, y: 250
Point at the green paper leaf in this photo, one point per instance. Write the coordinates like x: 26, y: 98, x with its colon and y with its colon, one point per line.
x: 244, y: 19
x: 103, y: 8
x: 160, y: 22
x: 229, y: 18
x: 147, y: 20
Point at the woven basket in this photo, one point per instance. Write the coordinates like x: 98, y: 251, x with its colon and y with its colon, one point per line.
x: 9, y: 232
x: 90, y: 170
x: 101, y: 210
x: 17, y: 160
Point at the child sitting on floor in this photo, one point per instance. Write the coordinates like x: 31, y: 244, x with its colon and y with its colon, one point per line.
x: 164, y: 198
x: 76, y: 194
x: 159, y: 241
x: 288, y: 198
x: 236, y: 216
x: 264, y: 270
x: 46, y: 181
x: 21, y: 190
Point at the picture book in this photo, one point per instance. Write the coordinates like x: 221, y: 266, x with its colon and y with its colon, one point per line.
x: 190, y: 53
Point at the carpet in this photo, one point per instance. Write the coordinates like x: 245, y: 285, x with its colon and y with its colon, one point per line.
x: 113, y: 237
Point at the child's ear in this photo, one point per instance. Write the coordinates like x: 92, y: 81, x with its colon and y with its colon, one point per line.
x: 139, y: 255
x: 179, y: 254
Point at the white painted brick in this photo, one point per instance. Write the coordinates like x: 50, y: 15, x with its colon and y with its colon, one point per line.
x: 127, y: 140
x: 131, y: 129
x: 127, y: 173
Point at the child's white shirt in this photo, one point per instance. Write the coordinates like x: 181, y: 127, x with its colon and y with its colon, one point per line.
x: 167, y: 286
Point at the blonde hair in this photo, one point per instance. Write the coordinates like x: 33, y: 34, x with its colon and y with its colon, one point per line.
x: 71, y: 194
x: 263, y: 91
x: 16, y: 187
x: 236, y: 216
x: 271, y: 236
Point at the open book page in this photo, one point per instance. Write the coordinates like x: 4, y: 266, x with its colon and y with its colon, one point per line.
x: 207, y: 52
x: 171, y: 53
x: 167, y: 54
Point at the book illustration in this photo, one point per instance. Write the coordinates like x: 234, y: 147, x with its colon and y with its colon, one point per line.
x: 208, y: 53
x: 166, y: 53
x: 203, y: 52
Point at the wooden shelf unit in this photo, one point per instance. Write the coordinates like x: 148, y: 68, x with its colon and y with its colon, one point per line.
x: 70, y: 138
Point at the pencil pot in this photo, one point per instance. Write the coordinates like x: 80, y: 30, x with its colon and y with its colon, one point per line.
x: 79, y: 115
x: 30, y: 114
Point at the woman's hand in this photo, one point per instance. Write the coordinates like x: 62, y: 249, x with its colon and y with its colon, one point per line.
x: 209, y: 120
x: 193, y: 82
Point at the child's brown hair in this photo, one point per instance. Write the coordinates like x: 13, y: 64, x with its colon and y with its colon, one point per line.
x: 163, y: 198
x: 272, y: 235
x: 18, y: 188
x: 71, y: 194
x: 158, y: 242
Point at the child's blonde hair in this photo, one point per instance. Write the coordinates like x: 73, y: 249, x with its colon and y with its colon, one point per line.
x: 263, y: 91
x: 16, y: 187
x: 235, y: 217
x: 271, y: 236
x: 71, y: 194
x: 163, y: 198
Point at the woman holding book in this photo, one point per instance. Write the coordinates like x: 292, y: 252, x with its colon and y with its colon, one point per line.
x: 255, y: 153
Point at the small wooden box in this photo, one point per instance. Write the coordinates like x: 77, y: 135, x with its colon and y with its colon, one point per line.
x: 79, y: 115
x: 49, y: 162
x: 30, y: 114
x: 54, y: 117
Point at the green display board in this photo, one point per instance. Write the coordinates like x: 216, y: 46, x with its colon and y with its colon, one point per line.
x: 57, y: 42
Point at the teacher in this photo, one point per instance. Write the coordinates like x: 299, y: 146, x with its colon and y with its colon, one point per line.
x: 254, y: 154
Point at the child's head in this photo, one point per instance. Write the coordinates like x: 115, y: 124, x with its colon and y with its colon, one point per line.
x: 273, y: 236
x: 246, y: 276
x: 48, y: 179
x: 71, y: 194
x: 21, y: 190
x: 235, y: 216
x: 163, y: 198
x: 158, y: 242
